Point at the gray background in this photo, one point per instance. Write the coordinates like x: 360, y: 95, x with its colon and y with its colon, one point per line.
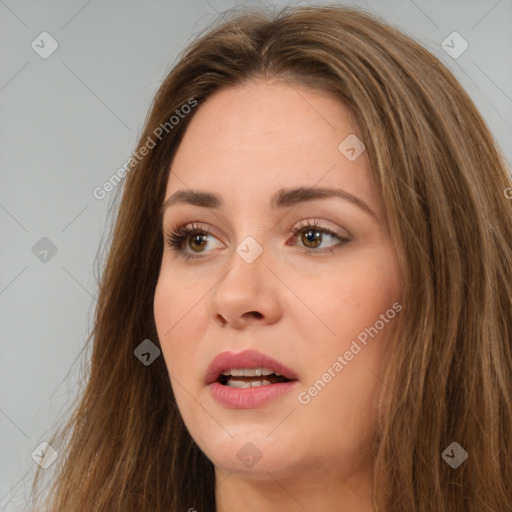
x: 69, y: 121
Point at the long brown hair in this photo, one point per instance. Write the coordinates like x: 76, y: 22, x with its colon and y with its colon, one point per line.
x: 442, y: 180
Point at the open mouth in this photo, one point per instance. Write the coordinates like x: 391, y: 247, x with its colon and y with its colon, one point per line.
x: 250, y: 377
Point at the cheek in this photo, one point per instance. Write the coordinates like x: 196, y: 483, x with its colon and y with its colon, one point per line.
x: 353, y: 298
x: 176, y: 310
x: 357, y: 307
x: 179, y: 328
x: 343, y: 381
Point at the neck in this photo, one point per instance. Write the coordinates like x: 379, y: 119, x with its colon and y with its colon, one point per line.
x: 326, y: 488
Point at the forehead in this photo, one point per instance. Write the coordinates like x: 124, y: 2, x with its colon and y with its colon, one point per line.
x: 257, y: 137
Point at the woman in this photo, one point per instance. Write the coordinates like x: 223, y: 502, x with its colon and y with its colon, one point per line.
x: 306, y: 304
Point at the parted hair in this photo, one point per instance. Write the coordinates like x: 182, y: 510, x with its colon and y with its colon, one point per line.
x: 443, y: 181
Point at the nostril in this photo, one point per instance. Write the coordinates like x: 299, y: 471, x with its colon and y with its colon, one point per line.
x: 257, y: 314
x: 220, y: 320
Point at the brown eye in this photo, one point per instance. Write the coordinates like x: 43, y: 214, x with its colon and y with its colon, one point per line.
x: 311, y: 238
x: 315, y: 238
x: 199, y: 239
x: 189, y: 241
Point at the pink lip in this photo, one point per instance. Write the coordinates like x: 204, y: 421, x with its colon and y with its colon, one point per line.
x: 245, y: 359
x: 247, y: 398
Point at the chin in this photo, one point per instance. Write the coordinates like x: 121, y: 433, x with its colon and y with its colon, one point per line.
x: 252, y: 453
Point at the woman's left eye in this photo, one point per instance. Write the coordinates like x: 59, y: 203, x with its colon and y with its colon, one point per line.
x: 311, y: 235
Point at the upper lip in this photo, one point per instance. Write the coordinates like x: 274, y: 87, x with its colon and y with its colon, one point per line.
x: 246, y: 359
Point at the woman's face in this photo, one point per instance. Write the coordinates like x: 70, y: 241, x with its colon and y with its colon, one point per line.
x: 278, y: 264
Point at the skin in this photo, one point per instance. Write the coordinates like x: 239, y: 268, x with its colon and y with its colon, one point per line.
x: 244, y: 144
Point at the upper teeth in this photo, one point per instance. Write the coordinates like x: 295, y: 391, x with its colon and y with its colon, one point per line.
x: 249, y: 372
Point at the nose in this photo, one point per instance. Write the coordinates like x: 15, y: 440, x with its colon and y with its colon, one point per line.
x: 246, y: 294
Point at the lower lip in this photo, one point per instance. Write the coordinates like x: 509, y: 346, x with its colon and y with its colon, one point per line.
x: 249, y: 398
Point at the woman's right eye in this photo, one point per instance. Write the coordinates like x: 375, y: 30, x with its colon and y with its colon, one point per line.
x: 190, y: 235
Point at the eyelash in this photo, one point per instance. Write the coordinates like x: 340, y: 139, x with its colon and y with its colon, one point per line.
x: 176, y: 237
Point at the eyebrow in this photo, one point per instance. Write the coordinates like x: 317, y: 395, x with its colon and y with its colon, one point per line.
x: 282, y: 199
